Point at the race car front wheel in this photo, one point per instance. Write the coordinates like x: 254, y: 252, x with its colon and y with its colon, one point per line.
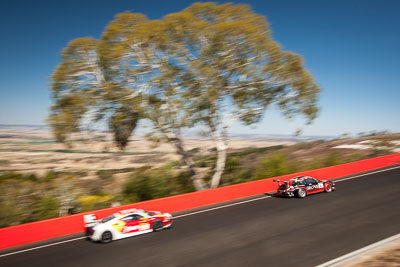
x: 328, y: 187
x: 301, y: 193
x: 106, y: 237
x: 157, y: 226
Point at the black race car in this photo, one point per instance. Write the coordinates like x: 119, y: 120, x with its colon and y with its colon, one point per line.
x: 301, y: 186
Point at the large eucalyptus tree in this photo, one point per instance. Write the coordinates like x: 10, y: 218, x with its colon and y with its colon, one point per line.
x: 208, y: 65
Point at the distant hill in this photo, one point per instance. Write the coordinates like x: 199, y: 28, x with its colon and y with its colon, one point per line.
x: 261, y: 137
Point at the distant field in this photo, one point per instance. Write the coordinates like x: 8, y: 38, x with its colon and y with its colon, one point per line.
x: 33, y: 150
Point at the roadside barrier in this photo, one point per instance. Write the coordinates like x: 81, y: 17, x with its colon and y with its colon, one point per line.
x: 37, y: 231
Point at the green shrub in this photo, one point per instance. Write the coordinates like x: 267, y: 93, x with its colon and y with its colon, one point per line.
x: 9, y: 214
x: 145, y: 187
x: 232, y: 163
x: 18, y: 177
x: 94, y: 202
x: 50, y: 176
x: 241, y: 176
x: 274, y: 165
x: 105, y: 174
x: 332, y: 160
x: 49, y: 207
x: 10, y: 176
x: 155, y: 184
x: 205, y: 161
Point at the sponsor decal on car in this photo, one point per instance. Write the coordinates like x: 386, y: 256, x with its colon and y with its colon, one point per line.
x: 319, y: 185
x: 140, y: 227
x: 119, y: 225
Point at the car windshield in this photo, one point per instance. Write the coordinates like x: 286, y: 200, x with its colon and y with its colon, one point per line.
x: 109, y: 218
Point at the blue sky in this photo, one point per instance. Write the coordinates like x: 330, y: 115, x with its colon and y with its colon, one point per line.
x: 351, y: 47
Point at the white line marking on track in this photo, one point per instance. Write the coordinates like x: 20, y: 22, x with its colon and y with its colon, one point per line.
x: 220, y: 207
x: 193, y: 213
x: 353, y: 177
x: 48, y: 245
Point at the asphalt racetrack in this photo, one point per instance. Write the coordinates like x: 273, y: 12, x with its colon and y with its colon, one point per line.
x: 266, y: 232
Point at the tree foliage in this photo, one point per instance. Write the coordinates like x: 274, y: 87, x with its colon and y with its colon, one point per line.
x: 234, y: 70
x: 208, y: 65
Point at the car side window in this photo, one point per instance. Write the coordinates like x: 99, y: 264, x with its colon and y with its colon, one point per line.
x: 131, y: 217
x: 128, y: 218
x: 301, y: 182
x: 136, y: 217
x: 310, y: 181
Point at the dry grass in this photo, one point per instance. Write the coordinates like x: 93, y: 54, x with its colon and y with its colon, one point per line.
x: 34, y: 151
x: 388, y: 256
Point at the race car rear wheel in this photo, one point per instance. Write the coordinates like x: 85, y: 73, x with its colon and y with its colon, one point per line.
x: 157, y: 226
x: 301, y: 193
x: 328, y: 187
x: 106, y: 237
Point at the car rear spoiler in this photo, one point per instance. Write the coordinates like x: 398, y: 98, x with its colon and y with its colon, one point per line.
x: 280, y: 182
x: 90, y: 220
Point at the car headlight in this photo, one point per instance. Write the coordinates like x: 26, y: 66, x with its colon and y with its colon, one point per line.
x: 168, y: 217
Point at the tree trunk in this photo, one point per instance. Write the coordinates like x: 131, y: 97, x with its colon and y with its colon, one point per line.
x: 175, y: 138
x: 221, y: 146
x: 187, y: 159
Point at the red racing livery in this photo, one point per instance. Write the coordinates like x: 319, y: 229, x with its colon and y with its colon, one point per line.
x: 301, y: 186
x: 125, y: 223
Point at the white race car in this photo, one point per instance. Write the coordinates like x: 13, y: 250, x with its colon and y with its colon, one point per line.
x: 125, y: 223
